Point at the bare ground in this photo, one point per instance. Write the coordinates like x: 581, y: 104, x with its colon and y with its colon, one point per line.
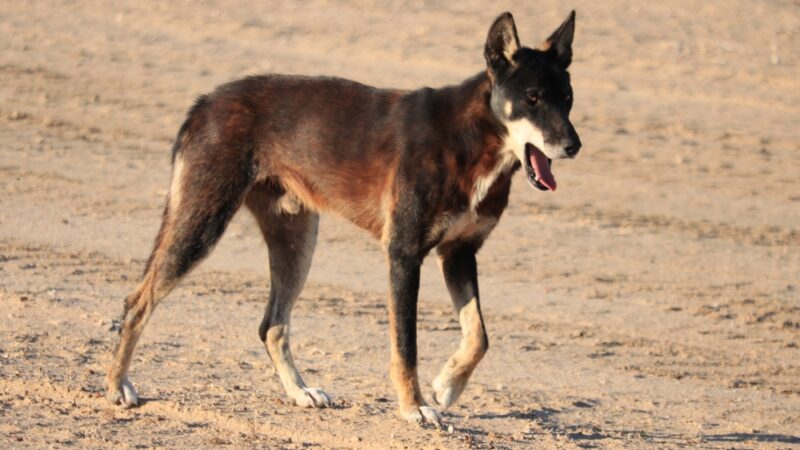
x: 652, y: 301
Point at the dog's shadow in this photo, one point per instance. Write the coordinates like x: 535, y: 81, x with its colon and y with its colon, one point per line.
x: 757, y: 437
x: 583, y: 434
x: 540, y: 415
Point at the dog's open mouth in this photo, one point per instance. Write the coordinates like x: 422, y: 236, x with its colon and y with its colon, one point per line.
x: 537, y: 167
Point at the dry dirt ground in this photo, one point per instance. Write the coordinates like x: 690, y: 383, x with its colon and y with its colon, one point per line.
x: 652, y: 301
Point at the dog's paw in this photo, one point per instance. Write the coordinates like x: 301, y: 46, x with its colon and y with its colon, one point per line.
x: 313, y: 398
x: 423, y: 415
x: 446, y: 391
x: 124, y: 394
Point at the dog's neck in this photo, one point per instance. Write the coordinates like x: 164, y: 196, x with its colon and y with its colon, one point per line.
x: 481, y: 135
x: 473, y: 103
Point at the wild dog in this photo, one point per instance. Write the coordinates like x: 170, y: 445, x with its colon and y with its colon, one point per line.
x: 418, y: 170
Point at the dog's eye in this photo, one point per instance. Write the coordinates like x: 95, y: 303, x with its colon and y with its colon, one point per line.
x: 568, y: 98
x: 532, y: 98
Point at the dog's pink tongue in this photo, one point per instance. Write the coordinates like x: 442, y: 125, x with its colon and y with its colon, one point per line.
x: 542, y: 169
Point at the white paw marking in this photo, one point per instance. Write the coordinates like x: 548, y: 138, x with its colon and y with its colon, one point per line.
x: 125, y: 395
x: 313, y: 398
x: 424, y: 415
x: 445, y: 393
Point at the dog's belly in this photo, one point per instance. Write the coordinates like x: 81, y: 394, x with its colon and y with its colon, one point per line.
x: 358, y: 202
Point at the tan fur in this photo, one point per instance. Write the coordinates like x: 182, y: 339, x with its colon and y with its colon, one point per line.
x: 387, y: 205
x: 456, y: 372
x: 406, y: 382
x: 287, y: 204
x: 140, y: 306
x: 297, y: 187
x: 176, y: 186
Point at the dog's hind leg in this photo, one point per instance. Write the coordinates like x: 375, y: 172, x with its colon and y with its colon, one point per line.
x: 205, y: 193
x: 461, y: 276
x: 291, y: 238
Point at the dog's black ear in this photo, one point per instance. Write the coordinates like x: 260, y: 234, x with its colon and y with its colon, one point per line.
x: 560, y: 42
x: 501, y: 44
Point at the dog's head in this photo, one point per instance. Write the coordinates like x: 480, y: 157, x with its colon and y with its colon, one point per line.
x: 532, y: 97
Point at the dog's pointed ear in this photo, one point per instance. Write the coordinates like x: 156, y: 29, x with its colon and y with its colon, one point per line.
x: 501, y: 44
x: 560, y: 42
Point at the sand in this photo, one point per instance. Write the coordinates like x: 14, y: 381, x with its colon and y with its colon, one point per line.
x: 653, y: 301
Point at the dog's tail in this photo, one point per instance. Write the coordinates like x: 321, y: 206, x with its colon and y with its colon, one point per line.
x: 195, y: 113
x: 210, y: 175
x: 177, y: 172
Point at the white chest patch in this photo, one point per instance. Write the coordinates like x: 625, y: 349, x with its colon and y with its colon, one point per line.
x: 468, y: 225
x: 520, y: 132
x: 485, y: 182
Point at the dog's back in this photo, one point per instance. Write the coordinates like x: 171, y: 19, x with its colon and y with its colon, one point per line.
x: 334, y: 144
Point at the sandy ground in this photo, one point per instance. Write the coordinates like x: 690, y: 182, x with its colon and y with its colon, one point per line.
x: 653, y: 301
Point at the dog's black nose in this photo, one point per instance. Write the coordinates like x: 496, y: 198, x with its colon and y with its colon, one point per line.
x: 573, y: 148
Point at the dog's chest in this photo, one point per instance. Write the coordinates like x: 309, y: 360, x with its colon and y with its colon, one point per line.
x: 465, y: 226
x: 484, y: 182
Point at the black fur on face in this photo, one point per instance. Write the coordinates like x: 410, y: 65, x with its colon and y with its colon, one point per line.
x: 534, y: 84
x: 539, y: 90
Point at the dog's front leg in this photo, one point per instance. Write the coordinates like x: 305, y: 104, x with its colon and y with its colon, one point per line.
x: 404, y: 279
x: 460, y: 272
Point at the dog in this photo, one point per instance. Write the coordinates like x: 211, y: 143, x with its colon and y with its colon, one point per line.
x: 418, y: 170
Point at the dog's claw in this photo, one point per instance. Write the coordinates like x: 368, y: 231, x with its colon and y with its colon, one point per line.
x: 124, y: 395
x: 424, y: 415
x: 314, y: 398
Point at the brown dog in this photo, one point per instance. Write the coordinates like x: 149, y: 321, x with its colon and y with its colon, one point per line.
x: 419, y: 170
